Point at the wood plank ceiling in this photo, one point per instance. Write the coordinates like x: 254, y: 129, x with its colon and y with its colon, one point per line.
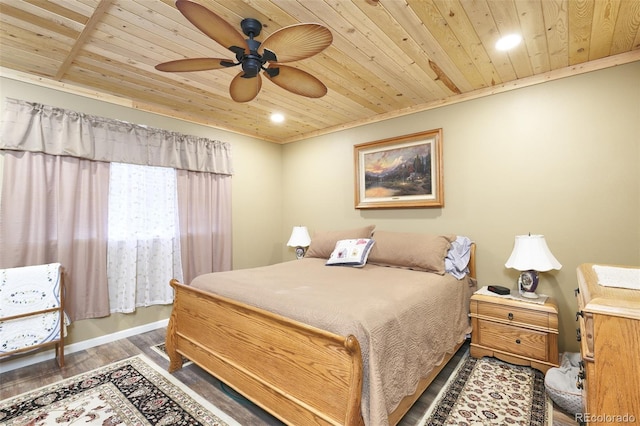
x: 388, y: 57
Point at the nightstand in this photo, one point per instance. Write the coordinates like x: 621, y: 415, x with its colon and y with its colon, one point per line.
x: 522, y: 333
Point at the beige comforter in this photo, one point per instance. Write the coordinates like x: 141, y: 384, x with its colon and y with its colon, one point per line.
x: 406, y: 321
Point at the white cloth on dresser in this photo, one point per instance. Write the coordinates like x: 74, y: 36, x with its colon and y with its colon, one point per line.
x: 611, y: 276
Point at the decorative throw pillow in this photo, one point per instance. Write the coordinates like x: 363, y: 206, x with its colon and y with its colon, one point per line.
x: 351, y: 252
x: 420, y: 252
x: 323, y: 242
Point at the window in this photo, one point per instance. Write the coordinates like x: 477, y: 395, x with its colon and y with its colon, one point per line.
x: 59, y: 210
x: 143, y: 247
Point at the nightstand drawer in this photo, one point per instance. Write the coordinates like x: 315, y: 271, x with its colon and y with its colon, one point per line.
x: 515, y: 340
x: 514, y: 314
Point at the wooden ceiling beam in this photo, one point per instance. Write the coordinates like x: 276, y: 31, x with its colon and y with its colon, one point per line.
x: 95, y: 18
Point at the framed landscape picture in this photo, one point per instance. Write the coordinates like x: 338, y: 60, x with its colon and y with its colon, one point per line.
x: 400, y: 172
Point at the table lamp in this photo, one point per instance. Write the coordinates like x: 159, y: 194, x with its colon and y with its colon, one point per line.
x: 531, y: 255
x: 299, y: 239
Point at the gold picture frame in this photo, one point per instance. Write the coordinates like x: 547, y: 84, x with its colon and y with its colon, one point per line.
x: 400, y: 172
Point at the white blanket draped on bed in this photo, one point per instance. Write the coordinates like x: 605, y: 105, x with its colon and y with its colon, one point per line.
x: 406, y: 321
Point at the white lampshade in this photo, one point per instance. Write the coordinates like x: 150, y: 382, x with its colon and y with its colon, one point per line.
x: 299, y: 237
x: 531, y: 253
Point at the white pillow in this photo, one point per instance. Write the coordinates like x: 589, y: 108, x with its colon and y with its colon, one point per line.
x: 351, y: 252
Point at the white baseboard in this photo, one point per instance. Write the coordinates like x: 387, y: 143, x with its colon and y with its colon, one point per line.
x: 26, y: 360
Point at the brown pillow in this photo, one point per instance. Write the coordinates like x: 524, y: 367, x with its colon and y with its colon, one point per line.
x: 323, y: 242
x: 420, y: 252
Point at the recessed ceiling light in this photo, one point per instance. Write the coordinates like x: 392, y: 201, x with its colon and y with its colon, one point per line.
x: 276, y: 117
x: 508, y: 42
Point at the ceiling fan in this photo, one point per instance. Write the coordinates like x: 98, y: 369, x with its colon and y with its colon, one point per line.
x: 287, y: 44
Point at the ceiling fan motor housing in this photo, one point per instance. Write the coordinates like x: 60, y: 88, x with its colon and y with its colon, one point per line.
x: 253, y: 62
x: 251, y: 66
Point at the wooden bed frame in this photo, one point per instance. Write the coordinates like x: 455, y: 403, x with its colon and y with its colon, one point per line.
x: 314, y: 377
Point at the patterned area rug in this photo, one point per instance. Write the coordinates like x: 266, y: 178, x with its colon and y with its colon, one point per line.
x: 134, y: 391
x: 488, y: 391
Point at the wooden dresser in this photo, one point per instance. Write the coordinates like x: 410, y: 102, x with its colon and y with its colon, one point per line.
x: 609, y: 335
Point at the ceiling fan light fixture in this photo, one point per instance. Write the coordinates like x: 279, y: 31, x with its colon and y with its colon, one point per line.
x: 508, y: 42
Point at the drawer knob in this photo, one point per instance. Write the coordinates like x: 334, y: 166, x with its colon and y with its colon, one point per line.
x: 578, y: 336
x: 518, y: 341
x: 510, y: 316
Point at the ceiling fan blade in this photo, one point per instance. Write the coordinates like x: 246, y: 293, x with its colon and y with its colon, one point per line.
x: 297, y: 81
x: 245, y: 89
x: 194, y: 64
x: 212, y: 25
x: 297, y: 42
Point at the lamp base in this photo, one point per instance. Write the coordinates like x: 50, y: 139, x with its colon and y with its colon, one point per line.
x: 527, y: 284
x: 529, y: 295
x: 300, y: 252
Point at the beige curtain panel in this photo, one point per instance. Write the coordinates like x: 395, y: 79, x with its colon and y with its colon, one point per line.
x: 34, y: 127
x: 54, y: 209
x: 204, y: 212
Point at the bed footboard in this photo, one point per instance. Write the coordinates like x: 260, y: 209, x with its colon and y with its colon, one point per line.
x: 298, y: 373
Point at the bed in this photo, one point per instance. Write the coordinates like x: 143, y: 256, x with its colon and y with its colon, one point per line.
x: 330, y: 345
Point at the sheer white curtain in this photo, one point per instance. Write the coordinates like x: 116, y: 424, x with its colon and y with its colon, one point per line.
x: 143, y: 248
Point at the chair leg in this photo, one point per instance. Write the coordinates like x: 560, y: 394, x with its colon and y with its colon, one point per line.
x: 60, y: 354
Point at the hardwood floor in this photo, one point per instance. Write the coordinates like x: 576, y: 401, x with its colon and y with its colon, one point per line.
x: 28, y: 378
